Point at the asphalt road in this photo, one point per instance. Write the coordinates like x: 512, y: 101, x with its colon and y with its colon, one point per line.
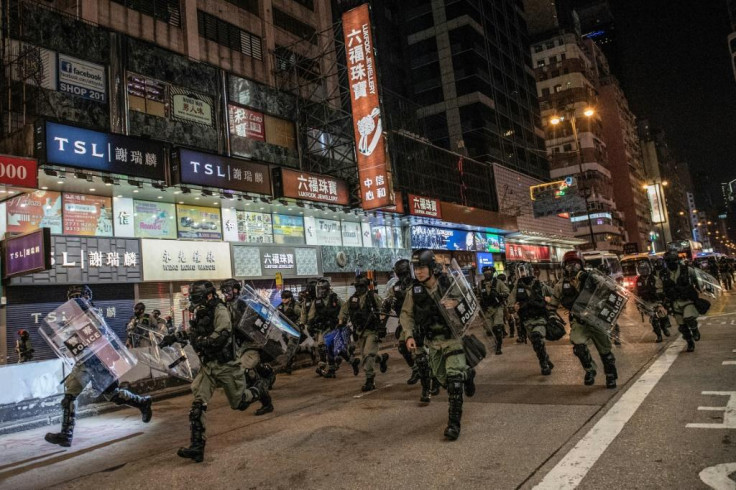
x: 520, y: 430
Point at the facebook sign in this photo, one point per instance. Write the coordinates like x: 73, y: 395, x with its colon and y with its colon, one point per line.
x: 114, y: 153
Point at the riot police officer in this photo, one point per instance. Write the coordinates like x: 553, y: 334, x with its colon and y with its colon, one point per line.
x: 647, y: 287
x: 528, y: 298
x: 211, y: 336
x: 23, y: 347
x: 566, y: 293
x: 493, y: 294
x: 291, y: 310
x: 392, y: 304
x: 422, y: 319
x: 82, y: 373
x: 320, y: 319
x: 138, y: 327
x: 362, y: 308
x: 678, y: 286
x: 257, y: 373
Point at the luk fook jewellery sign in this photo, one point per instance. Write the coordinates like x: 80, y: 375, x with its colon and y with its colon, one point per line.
x: 166, y: 260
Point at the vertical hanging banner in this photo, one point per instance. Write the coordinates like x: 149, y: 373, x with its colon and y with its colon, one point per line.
x: 373, y: 166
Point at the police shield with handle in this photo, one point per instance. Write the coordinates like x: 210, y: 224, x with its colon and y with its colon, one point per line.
x: 528, y: 297
x: 362, y: 308
x: 648, y: 288
x: 211, y: 335
x: 138, y: 327
x: 78, y: 334
x: 493, y: 294
x: 293, y: 311
x: 432, y: 316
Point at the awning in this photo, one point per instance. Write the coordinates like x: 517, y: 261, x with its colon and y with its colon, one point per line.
x: 539, y: 238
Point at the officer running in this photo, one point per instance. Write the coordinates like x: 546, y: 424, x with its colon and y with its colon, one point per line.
x: 320, y: 319
x: 648, y: 287
x: 679, y: 288
x: 493, y: 294
x: 211, y: 336
x: 362, y: 308
x: 81, y: 375
x: 422, y: 320
x: 138, y: 327
x: 291, y: 310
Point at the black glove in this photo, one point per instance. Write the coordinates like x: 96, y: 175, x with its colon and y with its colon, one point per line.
x: 398, y: 331
x: 168, y: 340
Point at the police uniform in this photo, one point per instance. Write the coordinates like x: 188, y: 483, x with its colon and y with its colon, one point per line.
x: 138, y: 330
x: 363, y: 311
x: 678, y: 287
x: 533, y: 316
x: 395, y: 296
x: 565, y: 293
x: 293, y: 312
x: 492, y: 297
x: 648, y: 287
x: 24, y: 348
x: 320, y: 319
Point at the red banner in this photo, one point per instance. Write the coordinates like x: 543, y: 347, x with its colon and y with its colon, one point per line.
x: 21, y: 172
x: 373, y: 166
x: 528, y: 253
x: 424, y: 206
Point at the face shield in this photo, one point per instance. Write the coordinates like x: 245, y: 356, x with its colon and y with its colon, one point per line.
x: 644, y: 269
x: 572, y: 268
x: 323, y: 289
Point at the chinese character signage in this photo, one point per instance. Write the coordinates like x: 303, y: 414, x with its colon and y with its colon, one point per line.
x: 351, y: 234
x: 82, y: 78
x: 322, y: 231
x: 123, y: 217
x: 656, y: 205
x: 246, y: 123
x: 154, y: 219
x: 38, y: 209
x: 27, y: 253
x: 441, y: 238
x: 254, y: 227
x: 373, y: 166
x: 529, y: 253
x: 258, y: 262
x: 288, y: 230
x: 113, y: 153
x: 89, y: 260
x: 310, y: 187
x: 20, y: 172
x: 167, y: 260
x: 277, y: 259
x: 191, y: 107
x: 87, y: 215
x: 191, y: 167
x: 424, y: 206
x: 198, y: 222
x: 488, y: 242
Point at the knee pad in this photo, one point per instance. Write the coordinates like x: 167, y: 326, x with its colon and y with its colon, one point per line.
x: 454, y: 385
x: 264, y: 370
x: 691, y: 322
x: 497, y: 330
x: 581, y: 351
x: 196, y: 412
x: 536, y: 339
x: 251, y: 375
x: 68, y: 401
x: 609, y: 363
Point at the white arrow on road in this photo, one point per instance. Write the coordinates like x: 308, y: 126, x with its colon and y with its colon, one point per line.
x: 716, y: 477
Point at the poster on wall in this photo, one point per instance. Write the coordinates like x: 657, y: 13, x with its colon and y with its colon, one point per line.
x: 87, y: 215
x: 351, y: 234
x: 82, y: 78
x: 320, y: 231
x: 254, y: 227
x: 29, y: 212
x: 246, y: 123
x: 154, y: 219
x: 190, y: 106
x: 198, y: 222
x: 288, y: 230
x: 441, y: 238
x: 185, y: 261
x: 489, y: 242
x: 530, y: 253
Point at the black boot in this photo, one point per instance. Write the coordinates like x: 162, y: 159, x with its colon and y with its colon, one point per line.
x: 266, y: 404
x: 511, y: 329
x: 414, y: 378
x: 422, y: 364
x: 330, y: 373
x: 383, y: 363
x: 688, y: 336
x: 195, y: 450
x: 498, y: 334
x: 469, y: 384
x: 434, y: 390
x: 545, y: 364
x: 142, y: 403
x: 692, y: 324
x: 356, y: 366
x: 251, y: 394
x: 690, y: 345
x: 68, y: 417
x: 657, y: 329
x: 369, y: 385
x: 266, y: 372
x: 581, y: 352
x: 609, y: 367
x: 455, y: 412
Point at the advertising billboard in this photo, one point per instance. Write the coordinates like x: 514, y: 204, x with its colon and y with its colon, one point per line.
x: 38, y: 209
x: 28, y: 253
x: 198, y: 222
x: 87, y: 215
x: 154, y: 219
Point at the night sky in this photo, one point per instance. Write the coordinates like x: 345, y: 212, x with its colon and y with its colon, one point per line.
x: 676, y: 71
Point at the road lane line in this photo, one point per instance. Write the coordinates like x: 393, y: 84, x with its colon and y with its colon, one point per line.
x: 571, y: 470
x: 728, y: 363
x: 717, y: 477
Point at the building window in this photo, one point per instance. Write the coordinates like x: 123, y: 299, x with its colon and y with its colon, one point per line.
x: 165, y: 10
x: 310, y: 5
x: 545, y: 92
x: 540, y: 63
x: 247, y: 5
x: 538, y: 48
x: 549, y: 45
x: 226, y: 34
x: 558, y: 88
x: 290, y: 24
x: 562, y: 57
x: 567, y: 147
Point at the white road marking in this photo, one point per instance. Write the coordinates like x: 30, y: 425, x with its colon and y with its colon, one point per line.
x: 571, y: 470
x: 372, y: 391
x: 716, y: 477
x: 729, y: 412
x: 728, y: 363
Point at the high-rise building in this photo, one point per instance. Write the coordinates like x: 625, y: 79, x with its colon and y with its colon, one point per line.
x: 731, y: 5
x: 597, y: 23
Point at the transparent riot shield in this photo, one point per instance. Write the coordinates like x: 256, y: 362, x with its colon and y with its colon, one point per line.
x: 706, y: 283
x: 459, y: 306
x: 264, y: 325
x: 79, y: 335
x: 172, y: 359
x: 600, y: 302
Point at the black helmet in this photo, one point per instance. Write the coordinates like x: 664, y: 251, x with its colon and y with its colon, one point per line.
x: 23, y: 334
x: 322, y: 288
x: 425, y: 258
x: 502, y: 277
x: 156, y: 313
x: 199, y: 290
x: 286, y: 293
x: 671, y: 256
x: 488, y: 268
x: 80, y: 291
x: 139, y: 307
x: 362, y: 284
x: 229, y: 285
x: 402, y: 268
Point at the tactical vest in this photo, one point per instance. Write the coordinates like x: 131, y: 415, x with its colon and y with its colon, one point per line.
x: 203, y: 325
x: 364, y: 318
x: 646, y: 288
x: 399, y: 297
x: 427, y: 315
x: 326, y: 312
x: 568, y: 295
x: 680, y: 289
x: 289, y: 311
x: 531, y: 301
x: 489, y: 298
x: 233, y: 307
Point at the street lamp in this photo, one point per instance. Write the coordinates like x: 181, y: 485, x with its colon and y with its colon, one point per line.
x: 555, y: 120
